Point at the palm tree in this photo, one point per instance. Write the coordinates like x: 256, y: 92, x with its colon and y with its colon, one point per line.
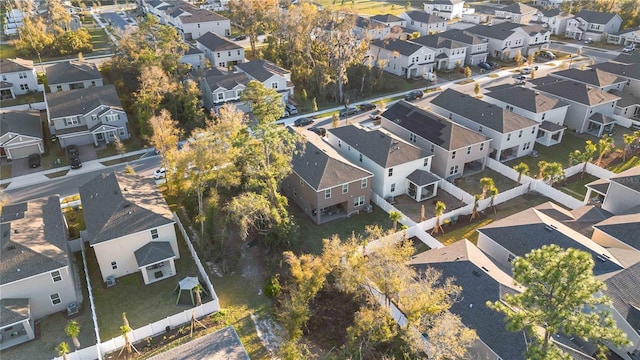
x: 493, y: 192
x: 541, y: 165
x: 63, y: 350
x: 629, y: 139
x: 521, y: 168
x: 73, y: 330
x: 125, y: 329
x: 605, y: 145
x: 554, y: 172
x: 486, y: 183
x: 474, y: 212
x: 395, y: 217
x: 439, y: 210
x: 198, y: 290
x: 584, y: 156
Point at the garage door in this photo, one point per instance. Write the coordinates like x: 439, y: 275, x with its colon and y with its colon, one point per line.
x: 22, y: 152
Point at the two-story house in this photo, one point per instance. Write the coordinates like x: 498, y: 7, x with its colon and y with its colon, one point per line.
x: 503, y: 42
x: 325, y: 185
x: 71, y: 75
x: 18, y: 77
x: 626, y: 37
x: 192, y: 22
x: 389, y: 20
x: 367, y: 28
x: 554, y: 19
x: 590, y: 108
x: 271, y: 75
x: 593, y: 25
x: 448, y: 53
x: 517, y: 13
x: 456, y: 149
x: 37, y: 276
x: 398, y: 167
x: 477, y: 48
x: 536, y: 38
x: 194, y: 57
x: 20, y: 134
x: 86, y: 116
x: 401, y: 57
x: 219, y: 88
x: 423, y: 22
x: 629, y: 104
x: 446, y: 9
x: 220, y: 51
x: 512, y: 135
x: 547, y: 111
x: 621, y: 192
x: 131, y: 228
x: 597, y: 78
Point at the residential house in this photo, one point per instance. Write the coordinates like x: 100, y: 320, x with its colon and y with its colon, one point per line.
x: 193, y: 22
x: 389, y: 20
x: 401, y: 57
x: 547, y: 111
x: 271, y: 75
x: 507, y: 39
x: 71, y: 75
x: 595, y: 77
x: 37, y: 276
x: 12, y: 21
x: 86, y: 116
x: 620, y: 193
x: 477, y: 16
x: 512, y: 135
x: 536, y: 38
x: 593, y: 25
x: 590, y: 108
x: 481, y: 282
x: 626, y: 37
x: 18, y: 77
x: 624, y: 291
x: 517, y: 13
x: 398, y: 167
x: 424, y: 22
x: 515, y: 236
x: 554, y: 4
x: 446, y: 9
x: 20, y: 134
x: 448, y: 53
x: 629, y: 104
x: 194, y: 57
x: 219, y: 89
x: 156, y: 8
x: 220, y: 51
x: 131, y: 228
x: 325, y: 185
x: 620, y: 232
x: 367, y: 28
x: 476, y: 48
x: 456, y: 149
x: 554, y: 19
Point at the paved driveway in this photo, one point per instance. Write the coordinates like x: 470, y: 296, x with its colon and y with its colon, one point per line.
x: 115, y: 20
x: 87, y: 152
x: 21, y: 167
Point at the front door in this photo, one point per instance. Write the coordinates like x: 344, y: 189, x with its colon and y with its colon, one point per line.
x: 100, y: 136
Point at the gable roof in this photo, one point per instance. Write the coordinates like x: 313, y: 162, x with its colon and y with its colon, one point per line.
x: 424, y: 17
x: 626, y: 58
x: 215, y: 42
x: 527, y: 99
x: 519, y: 8
x: 379, y: 146
x: 197, y: 15
x: 72, y: 71
x: 499, y: 31
x: 82, y: 101
x: 628, y: 70
x: 368, y: 23
x: 578, y: 92
x: 624, y: 291
x: 531, y: 229
x: 421, y: 177
x: 13, y: 311
x: 153, y: 252
x: 444, y: 2
x: 120, y: 204
x: 432, y: 127
x: 262, y: 70
x: 192, y: 50
x: 482, y: 112
x: 222, y: 344
x: 628, y: 178
x: 461, y: 36
x: 23, y: 122
x: 14, y: 65
x: 436, y: 41
x: 34, y: 239
x: 387, y: 18
x: 595, y: 17
x: 228, y: 81
x: 466, y: 264
x: 406, y: 48
x: 623, y: 228
x: 592, y: 76
x: 580, y: 219
x: 322, y: 171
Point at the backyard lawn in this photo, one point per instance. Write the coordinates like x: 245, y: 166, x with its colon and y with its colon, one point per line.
x: 100, y: 40
x: 626, y: 165
x: 7, y: 51
x: 577, y: 188
x: 471, y: 184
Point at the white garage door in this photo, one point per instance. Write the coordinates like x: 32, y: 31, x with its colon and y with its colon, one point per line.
x: 22, y: 152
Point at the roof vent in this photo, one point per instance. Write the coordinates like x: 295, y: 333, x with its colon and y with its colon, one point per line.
x: 15, y: 231
x: 601, y: 258
x: 11, y: 247
x: 484, y: 268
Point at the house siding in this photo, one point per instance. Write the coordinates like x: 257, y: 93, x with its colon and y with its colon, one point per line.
x: 21, y: 86
x: 66, y: 86
x: 620, y: 199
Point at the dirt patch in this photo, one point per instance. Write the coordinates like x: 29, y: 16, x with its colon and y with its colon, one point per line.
x: 268, y: 332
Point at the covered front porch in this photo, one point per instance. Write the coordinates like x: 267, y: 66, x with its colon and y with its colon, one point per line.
x: 422, y: 185
x: 6, y: 91
x: 156, y: 261
x: 105, y: 133
x: 549, y: 133
x: 16, y: 326
x: 600, y: 124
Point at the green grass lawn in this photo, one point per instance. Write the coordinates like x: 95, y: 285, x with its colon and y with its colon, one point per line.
x: 29, y: 98
x: 5, y: 171
x: 471, y: 183
x: 577, y: 189
x: 75, y: 221
x: 100, y: 40
x: 556, y: 153
x: 630, y: 163
x: 129, y: 144
x: 7, y: 51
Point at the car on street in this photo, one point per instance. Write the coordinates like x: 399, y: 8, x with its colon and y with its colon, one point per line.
x: 75, y: 162
x: 415, y: 94
x: 290, y: 110
x: 494, y: 65
x: 160, y: 174
x: 318, y: 130
x: 375, y: 115
x: 240, y: 37
x: 484, y: 65
x: 348, y: 111
x: 589, y: 41
x: 547, y: 54
x: 303, y: 121
x: 34, y: 160
x: 520, y: 79
x: 367, y: 106
x: 72, y: 150
x: 528, y: 70
x: 629, y: 48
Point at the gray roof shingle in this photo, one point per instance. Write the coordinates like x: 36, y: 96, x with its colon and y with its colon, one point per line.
x: 215, y: 42
x: 482, y: 112
x: 594, y: 76
x: 72, y: 71
x: 8, y: 66
x: 461, y: 36
x: 595, y: 17
x: 120, y: 204
x: 228, y: 81
x: 221, y: 345
x: 499, y: 31
x: 13, y: 311
x: 438, y: 42
x: 406, y: 48
x: 519, y: 8
x: 624, y: 291
x: 421, y: 177
x: 23, y: 122
x: 82, y: 101
x: 154, y: 252
x: 432, y: 127
x: 622, y: 227
x: 527, y: 99
x: 384, y: 149
x: 629, y: 70
x: 629, y: 178
x: 578, y: 92
x: 262, y: 70
x: 386, y: 18
x: 424, y: 17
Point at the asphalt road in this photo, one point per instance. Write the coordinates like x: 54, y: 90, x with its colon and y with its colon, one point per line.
x: 115, y: 20
x: 598, y: 55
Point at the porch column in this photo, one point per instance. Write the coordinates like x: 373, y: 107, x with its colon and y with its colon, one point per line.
x: 28, y: 329
x: 587, y: 196
x: 95, y: 140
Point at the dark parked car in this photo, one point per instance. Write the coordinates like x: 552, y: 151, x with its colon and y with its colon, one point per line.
x: 349, y: 111
x: 240, y: 37
x: 367, y: 107
x: 494, y: 65
x: 34, y: 160
x: 415, y: 94
x: 72, y: 150
x: 290, y: 110
x: 303, y: 121
x: 484, y: 65
x: 320, y: 131
x: 75, y: 162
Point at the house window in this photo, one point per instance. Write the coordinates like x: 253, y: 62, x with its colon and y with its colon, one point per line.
x: 359, y: 201
x: 469, y: 150
x: 71, y: 121
x: 114, y: 265
x: 238, y: 52
x: 391, y: 172
x: 432, y: 148
x: 4, y: 77
x: 393, y: 187
x: 511, y: 258
x: 218, y: 54
x: 94, y: 117
x: 453, y: 170
x: 24, y: 86
x: 274, y: 85
x: 412, y: 137
x: 121, y: 132
x: 520, y: 133
x: 220, y: 96
x: 59, y: 87
x: 113, y: 117
x: 55, y: 299
x: 426, y: 162
x: 453, y: 155
x: 93, y: 84
x: 481, y: 146
x: 363, y: 183
x: 360, y: 157
x: 327, y: 194
x: 533, y: 130
x: 301, y: 181
x: 345, y: 188
x: 55, y: 276
x: 198, y: 26
x: 22, y: 75
x: 526, y: 146
x: 228, y: 53
x: 508, y: 137
x: 339, y: 143
x: 480, y: 129
x: 154, y: 233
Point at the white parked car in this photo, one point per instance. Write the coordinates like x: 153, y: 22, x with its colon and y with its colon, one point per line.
x: 160, y: 174
x: 629, y: 48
